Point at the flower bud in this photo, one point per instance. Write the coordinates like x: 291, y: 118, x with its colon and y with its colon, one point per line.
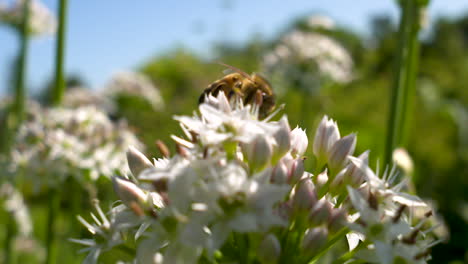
x: 354, y: 175
x: 403, y: 160
x: 279, y: 174
x: 338, y: 182
x: 337, y: 220
x: 321, y: 180
x: 258, y: 153
x: 296, y: 171
x: 269, y: 250
x: 314, y: 240
x: 283, y: 138
x: 299, y: 142
x: 304, y: 196
x: 130, y: 194
x: 340, y: 151
x: 137, y: 161
x: 320, y: 213
x: 325, y: 137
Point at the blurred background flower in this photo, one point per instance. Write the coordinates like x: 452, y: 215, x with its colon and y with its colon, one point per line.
x: 41, y: 20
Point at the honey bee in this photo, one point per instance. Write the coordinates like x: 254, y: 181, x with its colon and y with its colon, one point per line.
x: 252, y: 89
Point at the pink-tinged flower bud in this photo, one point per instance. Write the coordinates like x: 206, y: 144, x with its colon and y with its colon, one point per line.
x: 320, y: 213
x: 296, y: 171
x: 340, y: 151
x: 314, y: 240
x: 269, y: 250
x: 337, y: 220
x: 325, y: 137
x: 304, y: 196
x: 130, y: 194
x: 354, y: 175
x: 279, y: 174
x: 338, y: 182
x: 299, y: 142
x: 258, y: 153
x: 283, y: 139
x: 137, y: 161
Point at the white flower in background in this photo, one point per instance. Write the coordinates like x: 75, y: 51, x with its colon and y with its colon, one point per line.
x: 321, y: 22
x: 56, y: 143
x: 41, y: 20
x: 12, y: 202
x: 238, y: 181
x: 134, y: 84
x: 78, y: 96
x: 403, y: 160
x: 308, y: 59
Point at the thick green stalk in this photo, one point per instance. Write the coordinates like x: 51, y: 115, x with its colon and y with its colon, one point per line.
x: 15, y: 113
x: 413, y: 66
x: 59, y: 87
x: 15, y: 117
x: 20, y: 90
x: 405, y: 77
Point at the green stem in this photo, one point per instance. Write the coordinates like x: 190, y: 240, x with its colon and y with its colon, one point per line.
x: 20, y: 90
x: 53, y: 214
x: 339, y: 235
x: 16, y: 116
x: 10, y: 234
x: 59, y: 88
x: 405, y: 77
x: 15, y: 113
x: 413, y: 63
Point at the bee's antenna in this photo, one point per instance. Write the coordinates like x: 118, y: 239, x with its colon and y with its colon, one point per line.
x: 235, y: 69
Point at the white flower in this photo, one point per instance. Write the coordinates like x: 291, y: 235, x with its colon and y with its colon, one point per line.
x: 41, y: 20
x: 308, y: 59
x: 12, y: 202
x: 76, y: 97
x: 299, y: 141
x: 326, y: 136
x: 134, y: 84
x: 403, y: 160
x: 320, y: 21
x: 110, y: 231
x: 227, y: 184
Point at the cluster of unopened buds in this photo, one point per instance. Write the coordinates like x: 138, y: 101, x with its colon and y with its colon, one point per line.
x: 236, y: 191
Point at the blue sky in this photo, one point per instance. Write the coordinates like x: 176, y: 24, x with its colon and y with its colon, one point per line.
x: 106, y: 36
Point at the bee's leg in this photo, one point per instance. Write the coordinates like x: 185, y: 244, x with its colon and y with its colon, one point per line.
x: 267, y: 106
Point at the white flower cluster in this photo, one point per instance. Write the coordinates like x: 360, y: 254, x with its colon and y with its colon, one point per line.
x: 123, y: 83
x: 134, y: 84
x: 12, y: 202
x: 76, y: 97
x: 321, y: 22
x: 41, y: 20
x: 309, y: 57
x: 56, y: 143
x: 237, y: 191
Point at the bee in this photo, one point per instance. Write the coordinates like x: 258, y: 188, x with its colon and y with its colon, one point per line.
x: 252, y: 89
